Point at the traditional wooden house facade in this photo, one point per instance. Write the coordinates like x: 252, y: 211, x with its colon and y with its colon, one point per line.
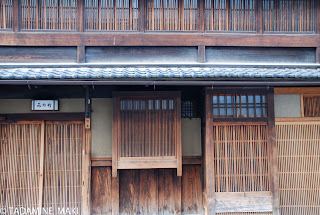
x: 160, y: 107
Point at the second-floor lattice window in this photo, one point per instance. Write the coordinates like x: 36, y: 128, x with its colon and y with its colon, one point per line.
x: 230, y: 15
x: 5, y: 14
x: 49, y: 15
x: 111, y: 15
x: 239, y: 105
x: 172, y: 15
x: 293, y: 15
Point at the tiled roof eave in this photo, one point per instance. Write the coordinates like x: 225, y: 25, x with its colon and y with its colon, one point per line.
x: 161, y: 73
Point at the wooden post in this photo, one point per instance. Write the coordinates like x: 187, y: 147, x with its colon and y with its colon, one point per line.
x: 318, y: 55
x: 201, y: 16
x: 81, y: 54
x: 318, y: 17
x: 209, y: 180
x: 115, y: 139
x: 178, y: 137
x: 41, y: 170
x: 115, y: 195
x: 81, y: 15
x: 16, y: 15
x: 201, y: 54
x: 259, y: 16
x: 86, y: 169
x: 273, y: 154
x: 177, y: 195
x: 142, y: 15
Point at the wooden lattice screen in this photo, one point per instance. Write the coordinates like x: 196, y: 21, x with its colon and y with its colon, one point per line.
x: 147, y: 131
x: 173, y: 15
x: 63, y: 166
x: 5, y: 14
x: 41, y: 166
x: 290, y: 15
x: 120, y: 15
x: 299, y: 167
x: 241, y: 158
x: 20, y: 165
x: 49, y: 14
x: 230, y: 15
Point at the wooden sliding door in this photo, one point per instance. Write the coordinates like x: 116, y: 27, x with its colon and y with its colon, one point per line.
x: 20, y: 145
x: 299, y: 167
x: 63, y: 165
x: 238, y: 152
x: 41, y: 166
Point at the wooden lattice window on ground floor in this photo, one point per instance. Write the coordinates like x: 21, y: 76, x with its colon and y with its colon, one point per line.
x: 41, y: 166
x: 147, y: 131
x: 298, y: 146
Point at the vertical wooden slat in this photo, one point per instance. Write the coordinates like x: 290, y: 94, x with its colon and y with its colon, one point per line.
x: 273, y: 154
x: 201, y: 16
x: 209, y: 177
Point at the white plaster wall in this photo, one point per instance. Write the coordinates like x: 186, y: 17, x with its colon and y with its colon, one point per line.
x: 287, y: 105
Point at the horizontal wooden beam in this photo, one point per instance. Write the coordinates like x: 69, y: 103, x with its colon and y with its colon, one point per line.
x: 107, y: 161
x: 43, y: 116
x: 297, y: 90
x: 297, y: 119
x: 156, y: 39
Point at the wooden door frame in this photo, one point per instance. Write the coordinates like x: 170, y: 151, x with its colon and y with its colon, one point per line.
x: 209, y: 195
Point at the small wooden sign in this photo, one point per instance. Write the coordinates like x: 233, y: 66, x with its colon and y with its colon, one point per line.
x: 87, y: 123
x: 47, y: 105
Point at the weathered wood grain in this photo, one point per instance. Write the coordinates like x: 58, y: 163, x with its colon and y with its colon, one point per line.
x: 157, y: 39
x: 148, y: 191
x: 38, y: 55
x: 141, y: 54
x: 243, y: 204
x: 101, y: 191
x: 191, y: 190
x: 260, y: 55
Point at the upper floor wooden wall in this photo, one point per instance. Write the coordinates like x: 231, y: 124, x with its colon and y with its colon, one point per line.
x: 200, y: 23
x: 161, y: 15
